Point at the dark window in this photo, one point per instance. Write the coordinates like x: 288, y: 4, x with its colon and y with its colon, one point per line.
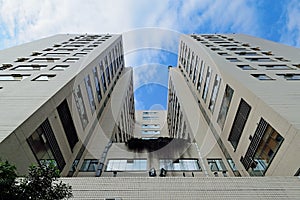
x: 68, y: 124
x: 206, y: 84
x: 80, y: 106
x: 89, y: 90
x: 89, y: 165
x: 225, y: 105
x: 44, y: 145
x: 239, y: 123
x: 97, y: 84
x: 262, y: 149
x: 262, y: 77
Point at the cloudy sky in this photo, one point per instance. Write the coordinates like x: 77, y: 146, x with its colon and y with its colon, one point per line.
x: 150, y: 29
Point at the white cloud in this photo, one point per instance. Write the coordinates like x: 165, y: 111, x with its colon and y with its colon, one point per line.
x: 291, y: 32
x: 28, y: 20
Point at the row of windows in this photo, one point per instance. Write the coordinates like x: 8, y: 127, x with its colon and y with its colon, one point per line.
x: 195, y: 68
x: 104, y: 72
x: 51, y: 57
x: 176, y: 123
x: 124, y: 127
x: 215, y: 165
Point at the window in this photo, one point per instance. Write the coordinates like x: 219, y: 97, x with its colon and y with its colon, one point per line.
x: 57, y: 54
x: 80, y: 54
x: 150, y: 126
x: 87, y: 50
x: 44, y: 77
x: 249, y: 53
x: 29, y: 67
x: 127, y: 165
x: 13, y: 77
x: 60, y: 67
x: 149, y: 112
x: 260, y: 59
x: 150, y: 117
x: 239, y: 123
x: 150, y: 132
x: 107, y: 75
x: 233, y: 59
x: 44, y: 145
x: 89, y: 165
x: 65, y: 49
x: 180, y: 165
x: 223, y: 54
x: 290, y: 76
x: 246, y: 67
x: 237, y: 49
x: 71, y: 60
x: 5, y: 66
x: 97, y: 84
x: 206, y: 84
x: 276, y: 67
x: 21, y: 59
x: 42, y: 60
x: 200, y: 75
x: 225, y: 105
x: 214, y: 93
x: 80, y: 106
x: 262, y: 149
x: 35, y: 53
x: 216, y: 165
x: 88, y: 87
x: 67, y: 123
x: 74, y: 45
x: 262, y: 77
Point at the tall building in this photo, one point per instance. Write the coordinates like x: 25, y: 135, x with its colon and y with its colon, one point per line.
x: 233, y: 107
x: 57, y: 96
x: 237, y: 97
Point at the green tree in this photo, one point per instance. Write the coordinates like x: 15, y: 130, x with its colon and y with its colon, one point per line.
x: 8, y: 176
x: 41, y: 183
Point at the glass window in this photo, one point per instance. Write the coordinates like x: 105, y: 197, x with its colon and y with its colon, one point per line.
x: 206, y: 84
x: 200, y: 75
x: 225, y: 105
x: 30, y: 67
x: 214, y: 93
x: 150, y: 132
x: 89, y: 165
x: 266, y: 150
x: 260, y: 59
x: 44, y: 77
x: 71, y: 60
x: 41, y: 60
x: 97, y: 84
x: 216, y: 165
x: 150, y: 126
x: 88, y: 87
x: 180, y: 165
x: 239, y: 123
x: 60, y: 67
x: 13, y: 77
x: 44, y: 145
x: 233, y: 59
x: 127, y: 165
x: 276, y: 67
x: 246, y: 67
x: 262, y: 77
x: 290, y: 76
x: 80, y: 106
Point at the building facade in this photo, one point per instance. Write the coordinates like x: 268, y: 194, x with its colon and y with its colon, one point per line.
x: 232, y: 109
x: 236, y: 97
x: 56, y: 99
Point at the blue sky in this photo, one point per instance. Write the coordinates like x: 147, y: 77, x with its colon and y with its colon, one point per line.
x: 151, y: 29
